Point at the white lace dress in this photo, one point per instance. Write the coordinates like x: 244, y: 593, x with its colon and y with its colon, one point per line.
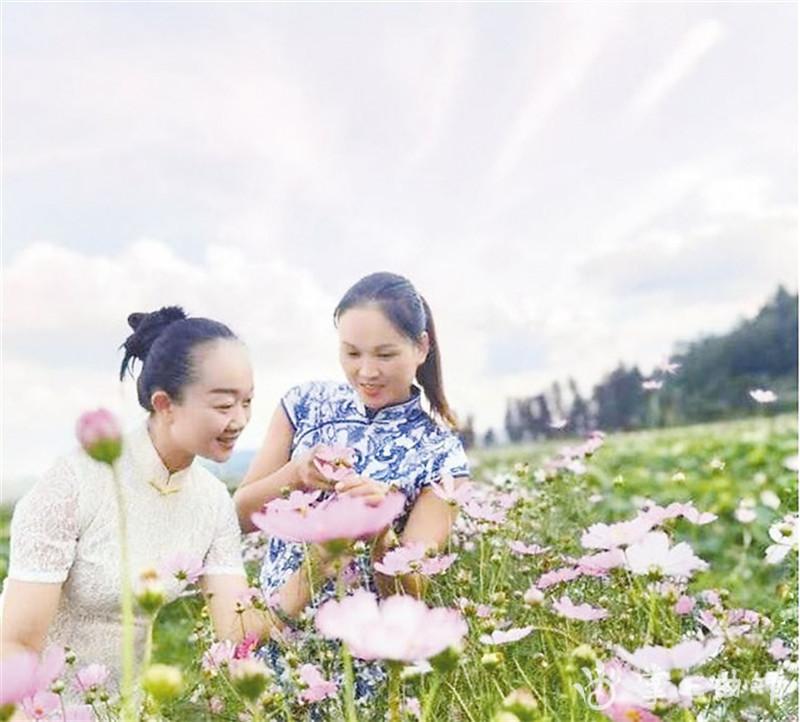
x: 65, y: 530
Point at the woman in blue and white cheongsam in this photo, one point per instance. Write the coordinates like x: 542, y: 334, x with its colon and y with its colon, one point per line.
x: 387, y: 340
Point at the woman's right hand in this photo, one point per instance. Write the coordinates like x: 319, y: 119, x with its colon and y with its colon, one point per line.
x: 309, y: 477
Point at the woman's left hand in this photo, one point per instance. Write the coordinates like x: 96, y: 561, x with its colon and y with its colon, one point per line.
x: 373, y: 492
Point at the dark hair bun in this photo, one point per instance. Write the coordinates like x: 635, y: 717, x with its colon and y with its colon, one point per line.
x: 147, y: 327
x: 135, y: 319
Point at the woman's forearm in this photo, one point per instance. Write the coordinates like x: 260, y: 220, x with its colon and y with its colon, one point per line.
x: 307, y: 580
x: 252, y: 496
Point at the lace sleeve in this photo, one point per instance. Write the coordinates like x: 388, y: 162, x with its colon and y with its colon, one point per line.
x: 225, y: 554
x: 44, y: 528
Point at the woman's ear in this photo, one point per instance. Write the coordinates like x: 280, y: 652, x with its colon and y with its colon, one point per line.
x: 161, y: 402
x: 423, y: 346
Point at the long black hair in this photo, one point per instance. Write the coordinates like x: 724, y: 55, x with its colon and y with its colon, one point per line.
x: 410, y: 314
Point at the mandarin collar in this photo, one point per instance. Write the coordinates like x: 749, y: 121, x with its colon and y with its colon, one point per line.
x: 403, y: 411
x: 151, y: 467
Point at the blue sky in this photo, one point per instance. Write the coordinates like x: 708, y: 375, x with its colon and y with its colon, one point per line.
x: 568, y: 184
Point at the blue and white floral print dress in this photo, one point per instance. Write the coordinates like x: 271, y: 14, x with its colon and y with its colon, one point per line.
x: 399, y: 445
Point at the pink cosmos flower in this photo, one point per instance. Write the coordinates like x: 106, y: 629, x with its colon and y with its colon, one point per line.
x: 684, y: 605
x: 575, y: 466
x: 296, y: 501
x: 245, y: 648
x: 436, y: 565
x: 18, y: 673
x: 609, y: 536
x: 778, y: 650
x: 582, y: 612
x: 623, y: 695
x: 217, y: 654
x: 413, y: 558
x: 317, y: 687
x: 99, y: 434
x: 484, y: 511
x: 400, y: 628
x: 39, y: 675
x: 732, y: 623
x: 42, y: 705
x: 667, y: 367
x: 523, y: 549
x: 504, y: 637
x: 602, y: 562
x: 448, y: 491
x: 335, y: 462
x: 335, y: 518
x: 185, y: 568
x: 482, y: 611
x: 565, y: 574
x: 508, y: 500
x: 91, y: 677
x: 658, y: 514
x: 412, y: 707
x: 682, y: 656
x: 653, y: 553
x: 786, y: 535
x: 763, y: 396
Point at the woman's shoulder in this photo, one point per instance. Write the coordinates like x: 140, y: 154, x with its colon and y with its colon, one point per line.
x: 208, y: 481
x: 320, y: 391
x: 65, y: 490
x: 314, y: 401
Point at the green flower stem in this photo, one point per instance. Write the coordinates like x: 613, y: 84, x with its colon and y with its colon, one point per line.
x: 128, y: 713
x: 464, y: 707
x: 148, y: 643
x: 349, y: 686
x: 651, y: 619
x: 430, y: 697
x: 394, y: 692
x: 347, y: 660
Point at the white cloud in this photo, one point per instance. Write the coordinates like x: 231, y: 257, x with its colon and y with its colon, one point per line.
x: 274, y: 154
x: 584, y: 33
x: 695, y: 44
x: 65, y: 317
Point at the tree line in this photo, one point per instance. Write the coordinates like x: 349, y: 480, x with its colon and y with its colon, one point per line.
x: 704, y: 380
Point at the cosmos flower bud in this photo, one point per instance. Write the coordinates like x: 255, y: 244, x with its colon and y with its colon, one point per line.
x: 162, y: 682
x: 99, y: 435
x: 522, y: 704
x: 249, y: 677
x: 150, y: 593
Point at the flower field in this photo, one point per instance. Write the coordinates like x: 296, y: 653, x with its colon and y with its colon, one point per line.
x: 634, y: 577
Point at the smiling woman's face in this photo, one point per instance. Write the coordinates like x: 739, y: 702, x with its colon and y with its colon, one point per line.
x: 215, y: 407
x: 379, y: 362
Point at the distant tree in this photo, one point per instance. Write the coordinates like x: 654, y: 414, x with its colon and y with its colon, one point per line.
x: 513, y: 427
x: 715, y: 375
x: 467, y: 432
x: 620, y: 400
x: 557, y: 398
x: 579, y: 416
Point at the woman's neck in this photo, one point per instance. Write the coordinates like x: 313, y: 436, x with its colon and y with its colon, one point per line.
x: 173, y: 458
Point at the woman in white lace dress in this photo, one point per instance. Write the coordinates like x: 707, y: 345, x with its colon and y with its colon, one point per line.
x: 63, y: 585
